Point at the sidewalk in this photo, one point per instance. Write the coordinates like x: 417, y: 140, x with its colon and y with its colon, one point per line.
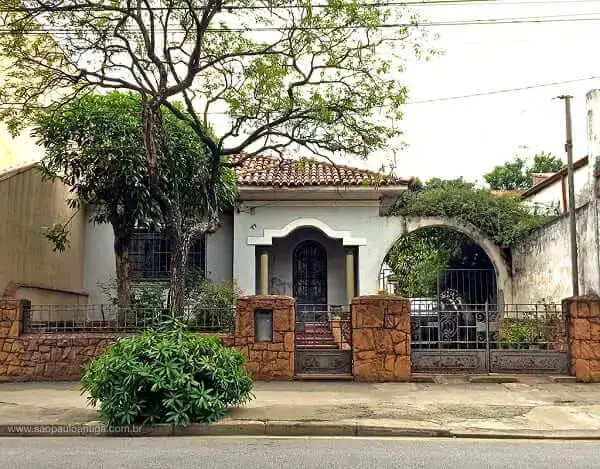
x: 534, y: 407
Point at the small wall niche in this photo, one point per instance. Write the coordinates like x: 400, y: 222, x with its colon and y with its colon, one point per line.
x: 263, y: 325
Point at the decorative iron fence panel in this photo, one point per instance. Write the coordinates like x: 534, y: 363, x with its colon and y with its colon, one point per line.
x: 323, y: 339
x: 479, y: 338
x: 109, y: 318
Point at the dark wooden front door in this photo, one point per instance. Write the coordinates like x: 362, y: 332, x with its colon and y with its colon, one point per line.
x: 310, y: 274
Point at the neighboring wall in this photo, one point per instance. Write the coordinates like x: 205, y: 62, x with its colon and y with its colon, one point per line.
x: 29, y: 268
x: 541, y: 263
x: 100, y: 257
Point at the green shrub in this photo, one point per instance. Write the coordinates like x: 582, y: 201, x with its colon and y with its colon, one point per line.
x: 211, y: 304
x: 521, y: 333
x: 166, y: 376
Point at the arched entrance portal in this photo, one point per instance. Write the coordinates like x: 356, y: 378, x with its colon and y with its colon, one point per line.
x: 451, y: 284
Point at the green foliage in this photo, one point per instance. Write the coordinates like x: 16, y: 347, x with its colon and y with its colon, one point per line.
x: 503, y: 219
x: 58, y: 235
x: 321, y: 79
x: 517, y: 174
x: 521, y: 333
x: 212, y: 303
x: 168, y: 376
x: 418, y: 258
x: 94, y: 145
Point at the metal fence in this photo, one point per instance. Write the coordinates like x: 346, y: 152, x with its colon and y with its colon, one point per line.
x: 482, y: 337
x: 110, y: 318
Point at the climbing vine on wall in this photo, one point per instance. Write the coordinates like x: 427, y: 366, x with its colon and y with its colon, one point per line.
x: 503, y: 218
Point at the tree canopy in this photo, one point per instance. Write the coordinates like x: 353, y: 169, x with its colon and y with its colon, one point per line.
x: 253, y: 76
x: 517, y: 174
x: 94, y: 143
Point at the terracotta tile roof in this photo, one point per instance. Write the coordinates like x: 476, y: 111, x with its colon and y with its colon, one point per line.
x: 277, y: 172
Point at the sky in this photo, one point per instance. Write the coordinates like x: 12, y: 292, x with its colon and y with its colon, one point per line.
x: 467, y: 137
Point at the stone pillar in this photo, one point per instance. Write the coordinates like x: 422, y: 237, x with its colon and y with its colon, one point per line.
x: 350, y: 277
x: 267, y: 360
x: 381, y: 338
x: 264, y: 272
x: 11, y: 318
x: 583, y: 323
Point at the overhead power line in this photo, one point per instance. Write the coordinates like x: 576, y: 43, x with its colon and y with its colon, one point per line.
x: 447, y: 98
x: 506, y: 90
x: 411, y: 3
x: 473, y: 22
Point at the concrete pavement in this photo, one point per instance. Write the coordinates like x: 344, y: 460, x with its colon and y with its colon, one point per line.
x: 533, y: 406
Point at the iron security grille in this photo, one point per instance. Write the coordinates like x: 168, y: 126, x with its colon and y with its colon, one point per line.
x: 150, y: 256
x: 310, y: 273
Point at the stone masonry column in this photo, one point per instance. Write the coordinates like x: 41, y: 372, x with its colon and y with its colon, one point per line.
x: 267, y: 360
x: 381, y: 338
x: 350, y: 276
x: 583, y: 324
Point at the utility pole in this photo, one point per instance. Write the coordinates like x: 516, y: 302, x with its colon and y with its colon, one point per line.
x: 572, y: 219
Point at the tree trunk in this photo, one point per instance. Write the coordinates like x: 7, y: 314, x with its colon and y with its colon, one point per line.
x: 180, y: 247
x: 123, y: 274
x: 151, y: 125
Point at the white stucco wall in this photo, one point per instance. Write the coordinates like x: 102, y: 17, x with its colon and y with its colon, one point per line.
x: 541, y: 263
x: 99, y: 263
x: 360, y: 219
x: 552, y: 194
x: 219, y: 252
x: 281, y: 265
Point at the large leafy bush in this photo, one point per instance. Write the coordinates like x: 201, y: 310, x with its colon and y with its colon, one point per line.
x: 167, y: 376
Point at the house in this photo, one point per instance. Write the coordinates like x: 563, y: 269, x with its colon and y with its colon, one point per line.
x: 302, y: 228
x: 549, y: 191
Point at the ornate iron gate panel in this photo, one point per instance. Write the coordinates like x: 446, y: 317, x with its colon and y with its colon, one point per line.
x: 323, y: 340
x: 479, y: 339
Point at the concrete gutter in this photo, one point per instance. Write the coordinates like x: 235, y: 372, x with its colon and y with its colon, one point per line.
x: 282, y: 428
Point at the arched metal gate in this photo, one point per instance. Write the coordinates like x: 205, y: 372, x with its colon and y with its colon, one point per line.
x: 460, y: 326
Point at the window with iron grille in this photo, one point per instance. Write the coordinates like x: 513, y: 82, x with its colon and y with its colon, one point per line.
x: 150, y: 256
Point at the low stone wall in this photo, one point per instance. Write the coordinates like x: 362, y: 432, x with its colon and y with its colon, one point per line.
x: 381, y: 338
x: 44, y: 356
x: 267, y: 360
x: 583, y: 319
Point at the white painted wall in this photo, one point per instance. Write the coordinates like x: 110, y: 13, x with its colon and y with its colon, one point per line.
x: 281, y: 265
x: 552, y: 194
x: 219, y: 252
x: 541, y: 263
x: 99, y: 263
x: 99, y: 260
x: 360, y: 218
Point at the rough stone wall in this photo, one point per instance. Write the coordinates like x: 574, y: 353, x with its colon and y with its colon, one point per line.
x: 49, y: 356
x: 583, y: 318
x: 273, y: 360
x: 44, y: 356
x: 541, y: 263
x: 381, y: 338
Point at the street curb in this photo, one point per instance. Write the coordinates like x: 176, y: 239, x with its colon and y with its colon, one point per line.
x: 280, y: 428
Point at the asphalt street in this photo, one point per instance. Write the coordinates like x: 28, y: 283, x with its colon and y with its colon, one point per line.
x: 294, y: 453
